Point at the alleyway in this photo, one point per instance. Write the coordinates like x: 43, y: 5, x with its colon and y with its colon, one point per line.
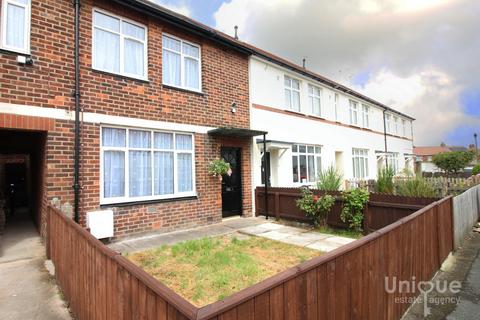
x: 26, y: 290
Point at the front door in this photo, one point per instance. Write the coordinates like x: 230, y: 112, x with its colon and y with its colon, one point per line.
x: 232, y: 184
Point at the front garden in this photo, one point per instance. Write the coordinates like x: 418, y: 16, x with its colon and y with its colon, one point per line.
x: 209, y: 269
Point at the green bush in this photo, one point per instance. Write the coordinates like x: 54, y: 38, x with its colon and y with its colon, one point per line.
x: 353, y: 203
x: 385, y: 181
x: 454, y: 161
x: 476, y: 170
x: 315, y: 208
x: 416, y: 187
x: 329, y: 180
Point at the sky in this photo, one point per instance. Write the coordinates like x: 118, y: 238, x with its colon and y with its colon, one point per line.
x: 421, y: 57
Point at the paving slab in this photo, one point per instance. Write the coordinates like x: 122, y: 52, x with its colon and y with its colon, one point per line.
x: 254, y: 230
x: 275, y: 235
x: 339, y: 240
x: 323, y: 245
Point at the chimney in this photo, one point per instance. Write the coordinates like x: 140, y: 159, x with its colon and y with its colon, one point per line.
x: 236, y: 32
x: 304, y: 61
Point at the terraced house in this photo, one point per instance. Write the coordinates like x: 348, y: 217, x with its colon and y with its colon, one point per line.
x: 119, y: 106
x: 114, y: 109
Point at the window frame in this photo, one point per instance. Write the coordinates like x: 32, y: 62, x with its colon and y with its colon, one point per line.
x: 122, y: 45
x: 3, y: 26
x: 315, y: 154
x: 126, y: 198
x: 182, y: 63
x: 336, y: 98
x: 404, y: 128
x: 312, y: 96
x: 365, y: 116
x: 388, y: 124
x: 395, y: 126
x: 352, y: 111
x: 392, y: 161
x: 291, y: 89
x: 360, y: 153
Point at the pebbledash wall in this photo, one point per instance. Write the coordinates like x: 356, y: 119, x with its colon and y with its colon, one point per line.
x: 39, y: 97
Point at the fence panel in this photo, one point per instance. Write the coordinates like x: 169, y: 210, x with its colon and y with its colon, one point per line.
x: 101, y: 284
x: 466, y: 213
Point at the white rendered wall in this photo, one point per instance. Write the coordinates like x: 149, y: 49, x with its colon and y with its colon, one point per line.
x: 267, y: 89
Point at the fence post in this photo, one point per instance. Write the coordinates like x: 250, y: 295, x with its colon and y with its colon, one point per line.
x: 49, y: 232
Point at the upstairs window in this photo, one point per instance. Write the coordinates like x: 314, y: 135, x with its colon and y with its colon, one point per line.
x: 306, y: 163
x: 365, y: 116
x: 404, y: 128
x: 353, y: 112
x: 336, y: 106
x: 292, y: 94
x: 388, y: 124
x: 181, y: 64
x: 15, y: 25
x: 314, y: 100
x: 395, y: 126
x: 119, y: 46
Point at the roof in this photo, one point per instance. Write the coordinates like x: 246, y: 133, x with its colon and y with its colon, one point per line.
x: 429, y: 151
x: 181, y: 21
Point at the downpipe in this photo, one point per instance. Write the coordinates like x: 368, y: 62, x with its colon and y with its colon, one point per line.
x: 77, y: 144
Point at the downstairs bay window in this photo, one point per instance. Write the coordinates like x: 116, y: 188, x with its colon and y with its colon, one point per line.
x: 139, y: 165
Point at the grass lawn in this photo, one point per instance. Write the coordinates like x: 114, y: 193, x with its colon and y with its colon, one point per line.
x: 340, y: 232
x: 209, y: 269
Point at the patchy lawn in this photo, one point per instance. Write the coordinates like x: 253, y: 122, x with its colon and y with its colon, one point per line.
x: 209, y: 269
x: 340, y: 232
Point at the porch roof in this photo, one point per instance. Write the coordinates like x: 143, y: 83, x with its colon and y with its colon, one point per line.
x: 235, y: 132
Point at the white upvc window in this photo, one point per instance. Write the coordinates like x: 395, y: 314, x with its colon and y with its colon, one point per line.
x: 404, y: 128
x: 306, y: 163
x: 15, y: 25
x: 360, y: 163
x: 392, y: 161
x: 395, y: 126
x: 181, y: 63
x: 292, y: 93
x: 365, y: 116
x: 336, y: 97
x: 388, y: 123
x: 314, y: 100
x: 119, y: 45
x: 353, y: 112
x: 140, y: 165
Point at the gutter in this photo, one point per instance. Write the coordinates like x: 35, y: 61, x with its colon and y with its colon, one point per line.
x: 77, y: 145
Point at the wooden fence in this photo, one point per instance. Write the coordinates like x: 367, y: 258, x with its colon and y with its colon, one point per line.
x: 466, y: 213
x: 100, y: 284
x: 346, y: 283
x: 381, y: 210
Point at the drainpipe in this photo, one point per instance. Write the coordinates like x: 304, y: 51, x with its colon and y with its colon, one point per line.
x: 385, y: 137
x: 77, y: 146
x: 265, y: 175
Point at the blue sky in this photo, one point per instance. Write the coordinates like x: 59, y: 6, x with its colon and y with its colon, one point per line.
x: 420, y: 57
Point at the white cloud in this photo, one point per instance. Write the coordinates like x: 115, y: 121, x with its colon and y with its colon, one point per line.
x: 421, y: 54
x: 181, y: 8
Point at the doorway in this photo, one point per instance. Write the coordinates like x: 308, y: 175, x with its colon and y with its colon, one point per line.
x: 232, y: 184
x: 269, y: 173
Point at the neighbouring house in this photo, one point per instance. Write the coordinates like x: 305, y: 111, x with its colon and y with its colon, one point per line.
x: 314, y: 123
x: 159, y: 97
x: 424, y: 157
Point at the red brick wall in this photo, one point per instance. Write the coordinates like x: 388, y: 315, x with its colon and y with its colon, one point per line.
x: 49, y: 83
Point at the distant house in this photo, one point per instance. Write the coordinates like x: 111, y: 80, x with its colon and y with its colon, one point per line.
x: 424, y: 157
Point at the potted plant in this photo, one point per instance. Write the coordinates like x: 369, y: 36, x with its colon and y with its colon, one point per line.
x: 218, y: 168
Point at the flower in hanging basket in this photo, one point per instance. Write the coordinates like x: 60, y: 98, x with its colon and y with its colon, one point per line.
x: 218, y: 168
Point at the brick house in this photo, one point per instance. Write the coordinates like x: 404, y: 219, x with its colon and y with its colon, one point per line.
x: 160, y: 97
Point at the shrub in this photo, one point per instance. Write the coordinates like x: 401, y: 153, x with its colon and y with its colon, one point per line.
x: 416, y: 187
x: 353, y: 203
x: 315, y: 208
x: 385, y: 181
x: 453, y: 162
x: 476, y: 170
x: 329, y: 180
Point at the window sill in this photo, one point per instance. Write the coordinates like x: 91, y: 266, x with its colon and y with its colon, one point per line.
x: 147, y: 202
x: 14, y: 52
x: 121, y: 76
x: 171, y: 87
x: 315, y: 116
x: 295, y: 112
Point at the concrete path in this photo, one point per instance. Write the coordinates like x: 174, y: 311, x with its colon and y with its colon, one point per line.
x: 256, y: 226
x: 463, y: 266
x: 26, y: 289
